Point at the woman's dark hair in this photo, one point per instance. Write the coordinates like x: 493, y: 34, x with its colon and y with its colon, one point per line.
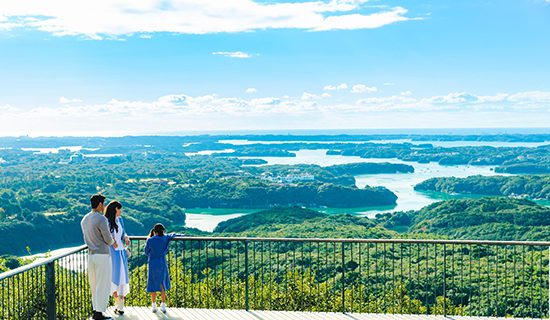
x: 158, y: 229
x: 110, y: 214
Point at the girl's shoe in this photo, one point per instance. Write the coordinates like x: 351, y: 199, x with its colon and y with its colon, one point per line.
x: 154, y: 307
x: 163, y: 307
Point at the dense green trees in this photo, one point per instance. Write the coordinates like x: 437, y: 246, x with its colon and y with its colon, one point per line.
x: 290, y: 215
x: 506, y: 159
x: 370, y: 168
x: 534, y: 187
x: 236, y: 193
x: 493, y: 218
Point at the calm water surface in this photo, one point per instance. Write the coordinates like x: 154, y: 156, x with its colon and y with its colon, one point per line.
x: 402, y: 184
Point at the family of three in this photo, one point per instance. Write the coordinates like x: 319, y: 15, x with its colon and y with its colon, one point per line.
x: 107, y: 242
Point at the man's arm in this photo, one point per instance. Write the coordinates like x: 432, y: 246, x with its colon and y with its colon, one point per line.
x: 105, y: 233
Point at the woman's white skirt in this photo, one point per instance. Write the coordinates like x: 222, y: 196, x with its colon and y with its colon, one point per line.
x: 120, y: 281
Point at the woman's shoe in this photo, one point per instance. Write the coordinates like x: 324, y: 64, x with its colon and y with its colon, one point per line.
x: 119, y: 309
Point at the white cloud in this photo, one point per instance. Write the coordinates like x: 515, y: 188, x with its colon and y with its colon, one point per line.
x: 530, y: 96
x: 182, y: 104
x: 105, y: 19
x: 361, y: 88
x: 251, y: 90
x: 360, y: 21
x: 330, y: 87
x: 233, y: 54
x: 174, y: 99
x: 306, y: 96
x: 406, y: 93
x: 64, y: 100
x: 179, y: 112
x: 8, y: 24
x: 8, y: 109
x: 454, y: 98
x: 463, y: 101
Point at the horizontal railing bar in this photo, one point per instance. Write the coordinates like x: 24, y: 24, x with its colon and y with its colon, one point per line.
x: 410, y: 241
x: 33, y: 265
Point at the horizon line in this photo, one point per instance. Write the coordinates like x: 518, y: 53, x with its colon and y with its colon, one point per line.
x: 356, y: 131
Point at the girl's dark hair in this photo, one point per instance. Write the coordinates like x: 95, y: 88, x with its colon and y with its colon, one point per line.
x: 110, y: 214
x: 158, y: 229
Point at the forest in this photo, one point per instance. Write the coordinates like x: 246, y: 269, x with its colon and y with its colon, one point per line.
x: 531, y: 186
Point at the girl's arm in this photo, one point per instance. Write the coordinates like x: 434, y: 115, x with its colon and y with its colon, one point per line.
x: 170, y: 237
x: 173, y: 235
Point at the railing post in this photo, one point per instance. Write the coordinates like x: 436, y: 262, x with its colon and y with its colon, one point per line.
x: 444, y: 280
x: 343, y: 279
x: 50, y: 290
x: 246, y: 275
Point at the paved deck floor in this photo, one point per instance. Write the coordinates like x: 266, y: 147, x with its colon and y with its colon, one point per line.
x: 142, y: 313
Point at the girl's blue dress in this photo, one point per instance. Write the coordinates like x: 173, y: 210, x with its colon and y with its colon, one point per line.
x: 156, y: 249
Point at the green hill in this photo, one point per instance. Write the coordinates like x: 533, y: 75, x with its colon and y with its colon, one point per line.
x: 486, y: 218
x: 296, y: 222
x: 289, y: 215
x: 536, y: 187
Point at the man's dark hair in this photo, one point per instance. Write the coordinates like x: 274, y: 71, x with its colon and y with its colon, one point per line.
x: 96, y: 199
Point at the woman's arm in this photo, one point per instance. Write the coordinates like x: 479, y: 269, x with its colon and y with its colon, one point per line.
x: 125, y: 235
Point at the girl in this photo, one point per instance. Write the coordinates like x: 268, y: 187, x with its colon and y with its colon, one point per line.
x: 158, y: 278
x: 120, y: 285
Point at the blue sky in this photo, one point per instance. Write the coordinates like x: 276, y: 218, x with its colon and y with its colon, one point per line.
x: 179, y: 65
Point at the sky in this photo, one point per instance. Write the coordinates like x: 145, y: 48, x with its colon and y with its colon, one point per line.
x: 129, y: 67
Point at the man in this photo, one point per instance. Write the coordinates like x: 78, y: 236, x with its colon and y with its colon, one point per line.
x: 97, y: 236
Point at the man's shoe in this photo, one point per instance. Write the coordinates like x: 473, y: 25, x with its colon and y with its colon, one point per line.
x: 163, y: 307
x: 100, y: 316
x: 154, y: 307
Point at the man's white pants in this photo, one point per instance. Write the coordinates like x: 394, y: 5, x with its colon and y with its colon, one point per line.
x: 99, y: 274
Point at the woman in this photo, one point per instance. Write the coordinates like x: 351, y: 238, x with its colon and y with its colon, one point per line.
x: 120, y: 286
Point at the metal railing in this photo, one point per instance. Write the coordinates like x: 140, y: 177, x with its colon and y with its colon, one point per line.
x: 53, y: 288
x: 472, y: 278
